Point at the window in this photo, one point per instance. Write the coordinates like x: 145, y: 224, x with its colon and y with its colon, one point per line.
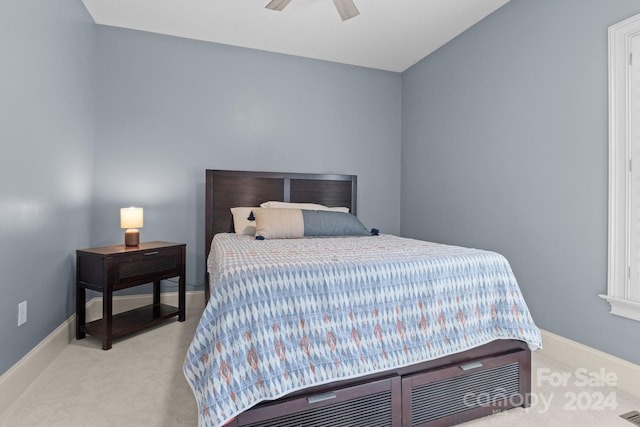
x: 623, y: 287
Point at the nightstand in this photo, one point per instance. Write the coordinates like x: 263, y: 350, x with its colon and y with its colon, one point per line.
x: 112, y: 268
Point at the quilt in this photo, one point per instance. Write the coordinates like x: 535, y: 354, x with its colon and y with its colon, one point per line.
x: 286, y: 314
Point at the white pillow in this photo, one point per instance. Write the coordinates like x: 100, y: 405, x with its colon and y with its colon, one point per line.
x: 241, y: 222
x: 307, y: 206
x: 279, y: 223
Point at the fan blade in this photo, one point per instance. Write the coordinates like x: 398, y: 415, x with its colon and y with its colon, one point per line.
x: 277, y: 4
x: 346, y: 8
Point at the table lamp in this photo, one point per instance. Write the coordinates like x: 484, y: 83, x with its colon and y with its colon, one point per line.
x: 131, y: 219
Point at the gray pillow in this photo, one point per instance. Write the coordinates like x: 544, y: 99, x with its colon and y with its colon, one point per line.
x: 328, y: 223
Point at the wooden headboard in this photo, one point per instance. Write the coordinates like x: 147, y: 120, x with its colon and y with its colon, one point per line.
x: 227, y: 189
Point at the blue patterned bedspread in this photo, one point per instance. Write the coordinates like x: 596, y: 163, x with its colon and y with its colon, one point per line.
x: 289, y: 314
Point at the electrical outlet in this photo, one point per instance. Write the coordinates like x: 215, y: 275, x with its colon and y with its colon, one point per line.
x: 22, y: 313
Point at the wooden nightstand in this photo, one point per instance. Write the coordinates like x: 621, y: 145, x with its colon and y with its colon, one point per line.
x: 112, y: 268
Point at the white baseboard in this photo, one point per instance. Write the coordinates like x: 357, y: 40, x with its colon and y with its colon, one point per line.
x: 16, y: 380
x: 578, y: 356
x: 21, y: 375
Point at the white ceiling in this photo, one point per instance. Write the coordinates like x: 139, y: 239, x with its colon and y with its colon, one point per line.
x: 388, y: 35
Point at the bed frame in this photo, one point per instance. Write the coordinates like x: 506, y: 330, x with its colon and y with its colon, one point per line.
x: 441, y: 392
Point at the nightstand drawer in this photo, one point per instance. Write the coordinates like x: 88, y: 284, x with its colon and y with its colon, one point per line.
x: 149, y: 262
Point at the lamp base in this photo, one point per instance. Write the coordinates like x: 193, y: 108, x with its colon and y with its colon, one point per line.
x: 132, y: 237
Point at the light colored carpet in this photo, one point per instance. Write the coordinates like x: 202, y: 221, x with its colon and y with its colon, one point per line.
x: 139, y: 382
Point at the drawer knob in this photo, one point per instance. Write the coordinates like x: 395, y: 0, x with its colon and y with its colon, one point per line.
x: 470, y: 366
x: 321, y: 397
x: 151, y: 253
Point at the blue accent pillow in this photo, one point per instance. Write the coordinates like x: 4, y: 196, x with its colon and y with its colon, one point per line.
x: 328, y: 223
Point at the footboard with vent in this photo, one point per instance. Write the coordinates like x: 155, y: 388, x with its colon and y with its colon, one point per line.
x: 442, y: 392
x: 373, y: 404
x: 466, y: 391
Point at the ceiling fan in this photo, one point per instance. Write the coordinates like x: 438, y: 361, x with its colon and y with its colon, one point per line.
x: 346, y: 8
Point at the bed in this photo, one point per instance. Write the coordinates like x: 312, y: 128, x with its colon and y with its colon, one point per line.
x: 292, y: 335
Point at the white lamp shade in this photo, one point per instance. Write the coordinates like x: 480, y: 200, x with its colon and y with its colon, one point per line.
x: 131, y: 218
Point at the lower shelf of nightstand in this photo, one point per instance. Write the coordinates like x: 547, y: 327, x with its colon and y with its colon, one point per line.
x: 132, y: 320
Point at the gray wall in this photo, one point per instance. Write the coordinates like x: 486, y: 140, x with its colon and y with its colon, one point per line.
x: 47, y: 99
x: 97, y: 118
x: 169, y: 108
x: 504, y: 147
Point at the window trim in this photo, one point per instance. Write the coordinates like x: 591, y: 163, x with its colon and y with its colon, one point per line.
x: 618, y: 284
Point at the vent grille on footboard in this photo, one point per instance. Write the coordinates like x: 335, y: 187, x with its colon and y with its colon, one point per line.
x: 373, y: 410
x: 462, y: 393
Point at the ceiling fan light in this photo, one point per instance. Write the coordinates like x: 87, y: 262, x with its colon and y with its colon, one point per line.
x: 277, y: 4
x: 346, y: 8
